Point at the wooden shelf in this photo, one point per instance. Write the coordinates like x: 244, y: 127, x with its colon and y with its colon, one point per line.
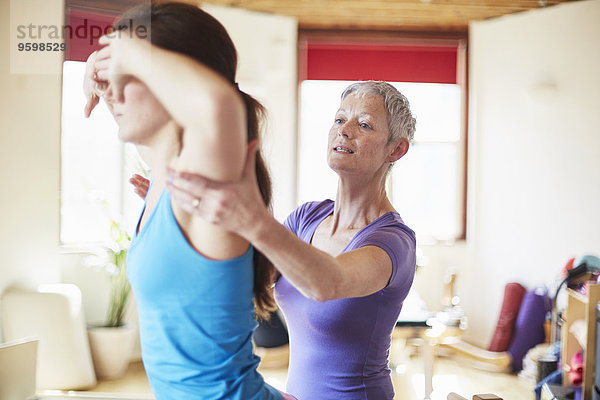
x: 581, y: 307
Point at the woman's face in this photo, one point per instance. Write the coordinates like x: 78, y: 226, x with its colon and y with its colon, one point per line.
x: 358, y: 139
x: 140, y: 115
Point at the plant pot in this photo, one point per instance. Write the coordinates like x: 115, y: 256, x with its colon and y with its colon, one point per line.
x: 111, y: 349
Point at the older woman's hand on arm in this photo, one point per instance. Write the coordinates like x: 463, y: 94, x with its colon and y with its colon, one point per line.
x: 140, y: 185
x: 236, y: 206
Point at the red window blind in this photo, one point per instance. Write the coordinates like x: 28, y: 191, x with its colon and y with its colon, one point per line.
x: 394, y: 63
x: 82, y: 31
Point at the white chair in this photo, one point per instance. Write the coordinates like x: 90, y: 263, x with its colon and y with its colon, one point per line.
x: 17, y: 369
x: 53, y: 314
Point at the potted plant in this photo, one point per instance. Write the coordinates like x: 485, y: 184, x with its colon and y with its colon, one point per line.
x: 111, y: 343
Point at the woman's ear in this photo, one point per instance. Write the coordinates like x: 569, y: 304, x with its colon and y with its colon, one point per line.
x: 399, y: 150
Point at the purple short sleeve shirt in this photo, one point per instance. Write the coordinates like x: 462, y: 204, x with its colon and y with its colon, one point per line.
x: 339, y: 348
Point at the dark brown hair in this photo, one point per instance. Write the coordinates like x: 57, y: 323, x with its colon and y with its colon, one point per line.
x: 186, y: 29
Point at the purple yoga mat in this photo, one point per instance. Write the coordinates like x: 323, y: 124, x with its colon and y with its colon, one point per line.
x: 529, y: 326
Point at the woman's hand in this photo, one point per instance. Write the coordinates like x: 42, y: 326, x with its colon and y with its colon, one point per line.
x: 108, y: 70
x: 122, y: 57
x: 140, y: 185
x: 234, y: 206
x: 111, y: 63
x: 92, y: 85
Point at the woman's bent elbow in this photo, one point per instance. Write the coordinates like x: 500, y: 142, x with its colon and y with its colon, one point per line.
x: 324, y: 294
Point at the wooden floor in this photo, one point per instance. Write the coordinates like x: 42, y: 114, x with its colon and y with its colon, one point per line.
x: 450, y: 375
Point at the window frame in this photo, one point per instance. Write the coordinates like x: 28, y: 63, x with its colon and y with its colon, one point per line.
x: 125, y: 205
x: 401, y: 38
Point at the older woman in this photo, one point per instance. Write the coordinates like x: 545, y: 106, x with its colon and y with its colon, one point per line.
x: 346, y: 265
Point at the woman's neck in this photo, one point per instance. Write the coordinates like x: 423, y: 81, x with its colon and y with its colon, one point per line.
x: 163, y: 149
x: 358, y: 204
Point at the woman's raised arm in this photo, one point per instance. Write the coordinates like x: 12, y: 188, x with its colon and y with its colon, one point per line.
x: 207, y: 107
x: 318, y: 275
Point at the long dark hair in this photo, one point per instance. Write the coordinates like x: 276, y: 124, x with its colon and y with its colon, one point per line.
x: 186, y: 29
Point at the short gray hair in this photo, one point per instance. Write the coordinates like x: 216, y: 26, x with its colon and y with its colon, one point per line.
x: 401, y: 122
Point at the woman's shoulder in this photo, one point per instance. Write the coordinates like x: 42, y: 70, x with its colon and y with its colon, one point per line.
x: 315, y: 206
x: 312, y: 208
x: 391, y: 222
x: 399, y: 241
x: 308, y: 213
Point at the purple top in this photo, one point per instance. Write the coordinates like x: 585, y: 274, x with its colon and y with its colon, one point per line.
x: 339, y: 348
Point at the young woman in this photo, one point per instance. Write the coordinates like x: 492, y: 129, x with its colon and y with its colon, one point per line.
x: 197, y: 285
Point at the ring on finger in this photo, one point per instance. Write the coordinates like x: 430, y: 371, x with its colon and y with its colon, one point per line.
x: 99, y: 88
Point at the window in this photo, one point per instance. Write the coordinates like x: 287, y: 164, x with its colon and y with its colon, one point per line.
x: 427, y: 185
x: 95, y: 167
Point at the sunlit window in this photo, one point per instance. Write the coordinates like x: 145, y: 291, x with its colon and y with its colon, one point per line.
x: 426, y: 184
x: 95, y: 167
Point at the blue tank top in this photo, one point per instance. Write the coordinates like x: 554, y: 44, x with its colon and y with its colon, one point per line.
x: 196, y: 316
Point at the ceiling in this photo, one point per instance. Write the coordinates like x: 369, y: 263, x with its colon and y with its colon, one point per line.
x: 397, y: 15
x: 362, y: 15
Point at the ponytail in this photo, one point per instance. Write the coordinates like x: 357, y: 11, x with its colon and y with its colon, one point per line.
x: 264, y: 271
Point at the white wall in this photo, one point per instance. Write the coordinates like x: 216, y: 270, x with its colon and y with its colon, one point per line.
x: 29, y: 153
x: 534, y: 170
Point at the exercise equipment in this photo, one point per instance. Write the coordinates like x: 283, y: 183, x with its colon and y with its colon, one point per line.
x: 513, y: 296
x: 526, y: 331
x: 529, y: 326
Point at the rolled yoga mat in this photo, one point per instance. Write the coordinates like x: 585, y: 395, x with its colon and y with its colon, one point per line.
x: 529, y: 326
x: 513, y: 296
